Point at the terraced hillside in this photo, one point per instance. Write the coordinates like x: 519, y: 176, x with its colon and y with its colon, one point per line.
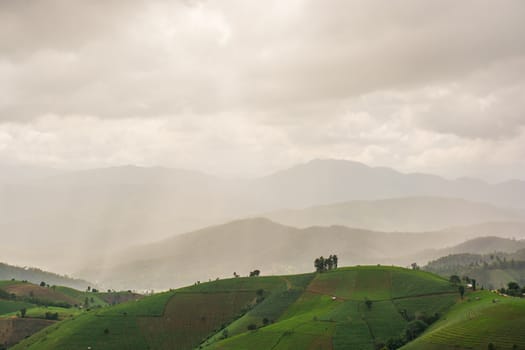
x: 481, y: 319
x: 333, y: 312
x: 26, y: 308
x: 357, y: 308
x: 175, y: 319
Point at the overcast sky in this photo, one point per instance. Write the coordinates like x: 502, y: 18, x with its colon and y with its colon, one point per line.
x: 249, y: 87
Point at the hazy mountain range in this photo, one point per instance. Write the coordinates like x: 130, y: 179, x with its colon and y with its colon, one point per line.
x: 94, y: 213
x: 258, y: 243
x: 398, y: 214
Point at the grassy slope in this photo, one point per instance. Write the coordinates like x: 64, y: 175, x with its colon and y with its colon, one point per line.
x: 80, y: 296
x: 56, y: 294
x: 316, y: 321
x: 27, y: 290
x: 301, y: 311
x: 9, y: 306
x: 473, y: 324
x: 183, y: 317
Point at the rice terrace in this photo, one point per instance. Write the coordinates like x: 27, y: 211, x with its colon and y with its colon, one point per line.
x: 366, y: 307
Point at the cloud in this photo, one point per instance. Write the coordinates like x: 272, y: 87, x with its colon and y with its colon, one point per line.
x: 250, y: 87
x: 129, y: 59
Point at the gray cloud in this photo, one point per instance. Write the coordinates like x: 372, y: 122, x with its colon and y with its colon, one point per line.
x: 262, y: 84
x: 132, y: 58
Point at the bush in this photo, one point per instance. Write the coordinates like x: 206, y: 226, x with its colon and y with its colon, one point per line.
x: 51, y: 315
x: 414, y: 329
x: 252, y: 327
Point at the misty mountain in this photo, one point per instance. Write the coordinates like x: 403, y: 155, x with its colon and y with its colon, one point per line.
x: 330, y: 181
x: 35, y: 275
x: 93, y: 212
x: 23, y: 174
x: 485, y: 245
x: 477, y: 245
x: 397, y: 214
x: 258, y: 243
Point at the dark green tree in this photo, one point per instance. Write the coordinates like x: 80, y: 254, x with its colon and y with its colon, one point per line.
x: 461, y: 289
x: 319, y: 264
x: 414, y: 329
x: 455, y: 279
x: 368, y: 303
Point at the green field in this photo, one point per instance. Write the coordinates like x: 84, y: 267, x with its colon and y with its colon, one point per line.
x: 310, y: 311
x: 477, y: 321
x: 10, y: 306
x: 332, y: 313
x: 45, y: 305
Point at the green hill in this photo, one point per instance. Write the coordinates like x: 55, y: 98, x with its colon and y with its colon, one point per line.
x: 26, y: 308
x: 35, y: 275
x: 492, y: 270
x: 317, y: 311
x: 477, y: 321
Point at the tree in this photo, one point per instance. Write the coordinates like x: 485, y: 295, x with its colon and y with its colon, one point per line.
x: 321, y: 264
x: 42, y: 284
x: 225, y: 333
x: 330, y: 262
x: 368, y: 303
x: 414, y: 266
x: 473, y: 281
x: 414, y: 329
x: 255, y: 273
x: 454, y: 279
x: 461, y: 291
x: 51, y: 315
x: 23, y: 312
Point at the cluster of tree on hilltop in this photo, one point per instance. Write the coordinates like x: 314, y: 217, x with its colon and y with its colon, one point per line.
x: 322, y: 264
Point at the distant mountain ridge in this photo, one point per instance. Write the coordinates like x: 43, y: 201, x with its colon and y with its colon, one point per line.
x: 398, y: 214
x: 94, y: 212
x: 257, y: 243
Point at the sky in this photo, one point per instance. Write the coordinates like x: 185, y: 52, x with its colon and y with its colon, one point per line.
x: 245, y: 88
